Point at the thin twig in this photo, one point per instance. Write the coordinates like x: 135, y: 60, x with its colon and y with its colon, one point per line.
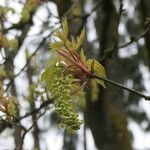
x: 45, y: 104
x: 12, y: 123
x: 27, y: 130
x: 108, y: 52
x: 28, y: 62
x: 85, y: 16
x: 71, y: 8
x: 121, y: 86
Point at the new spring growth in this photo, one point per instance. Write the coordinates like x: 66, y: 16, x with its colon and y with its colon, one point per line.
x: 71, y: 53
x: 69, y: 67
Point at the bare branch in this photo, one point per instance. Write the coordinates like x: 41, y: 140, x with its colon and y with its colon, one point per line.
x: 44, y: 104
x: 27, y: 130
x: 27, y: 63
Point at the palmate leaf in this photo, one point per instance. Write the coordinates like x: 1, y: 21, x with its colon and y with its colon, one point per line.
x: 97, y: 69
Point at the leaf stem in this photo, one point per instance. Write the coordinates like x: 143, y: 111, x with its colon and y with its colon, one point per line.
x: 62, y: 53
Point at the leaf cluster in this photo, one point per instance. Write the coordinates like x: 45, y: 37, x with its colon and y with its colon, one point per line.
x: 72, y: 55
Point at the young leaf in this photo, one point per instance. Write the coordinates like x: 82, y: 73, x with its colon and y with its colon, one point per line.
x: 98, y: 69
x: 80, y: 39
x: 68, y: 44
x: 94, y: 90
x: 73, y: 41
x: 60, y: 35
x: 65, y: 28
x: 48, y: 74
x: 56, y: 45
x: 82, y: 56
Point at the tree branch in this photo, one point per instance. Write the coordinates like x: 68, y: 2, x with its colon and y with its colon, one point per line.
x: 121, y: 86
x: 27, y: 130
x: 28, y: 62
x: 109, y: 52
x: 44, y: 104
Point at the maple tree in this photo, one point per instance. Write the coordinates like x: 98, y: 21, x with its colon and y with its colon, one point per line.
x: 68, y: 80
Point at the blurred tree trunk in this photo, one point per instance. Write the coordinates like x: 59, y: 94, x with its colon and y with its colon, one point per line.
x: 145, y: 7
x: 9, y: 67
x: 104, y: 116
x: 31, y: 99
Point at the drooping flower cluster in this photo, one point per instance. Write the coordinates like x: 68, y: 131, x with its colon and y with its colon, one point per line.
x: 69, y: 67
x: 61, y: 89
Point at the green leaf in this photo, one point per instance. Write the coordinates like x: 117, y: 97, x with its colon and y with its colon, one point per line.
x: 100, y: 82
x: 94, y: 90
x: 60, y: 35
x: 98, y: 69
x: 47, y: 77
x: 65, y: 28
x: 73, y: 41
x: 56, y: 45
x: 48, y: 74
x: 68, y: 44
x: 80, y: 39
x: 82, y: 56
